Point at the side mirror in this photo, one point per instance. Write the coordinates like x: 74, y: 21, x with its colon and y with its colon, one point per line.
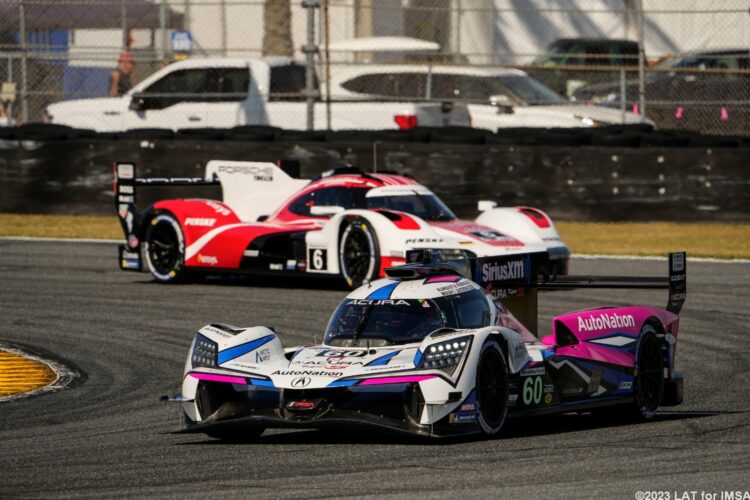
x: 137, y: 103
x: 502, y: 103
x: 325, y: 210
x: 548, y: 340
x: 484, y: 205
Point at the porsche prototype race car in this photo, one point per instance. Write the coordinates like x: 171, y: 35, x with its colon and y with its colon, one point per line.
x: 345, y: 223
x: 431, y: 352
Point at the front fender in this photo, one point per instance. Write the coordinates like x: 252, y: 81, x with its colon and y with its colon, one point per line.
x: 527, y: 224
x: 396, y: 232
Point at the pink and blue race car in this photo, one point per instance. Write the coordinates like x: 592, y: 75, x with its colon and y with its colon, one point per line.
x: 442, y: 347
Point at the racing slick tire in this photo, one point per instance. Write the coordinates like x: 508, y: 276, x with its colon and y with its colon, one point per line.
x: 359, y: 253
x: 492, y: 389
x: 164, y: 249
x: 648, y: 379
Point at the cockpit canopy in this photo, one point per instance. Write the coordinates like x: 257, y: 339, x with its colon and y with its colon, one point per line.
x: 381, y: 322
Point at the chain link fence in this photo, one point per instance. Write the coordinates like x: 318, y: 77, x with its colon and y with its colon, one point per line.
x: 682, y: 64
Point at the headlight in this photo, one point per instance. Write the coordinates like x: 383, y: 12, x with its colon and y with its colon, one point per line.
x: 204, y: 352
x: 446, y: 355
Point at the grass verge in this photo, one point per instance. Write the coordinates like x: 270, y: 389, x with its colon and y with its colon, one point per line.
x: 726, y: 241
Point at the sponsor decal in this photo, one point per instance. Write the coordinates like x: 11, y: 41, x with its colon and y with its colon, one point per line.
x: 291, y: 265
x: 512, y: 399
x: 678, y: 262
x: 605, y: 321
x: 125, y: 171
x: 301, y: 405
x: 595, y: 381
x: 301, y: 382
x: 533, y: 371
x: 384, y: 302
x: 219, y: 209
x: 216, y: 331
x: 547, y: 398
x: 251, y: 253
x: 507, y: 293
x: 423, y: 240
x: 311, y: 373
x: 468, y: 407
x: 200, y: 222
x: 130, y: 255
x: 572, y: 390
x: 455, y: 289
x: 262, y: 355
x: 124, y: 188
x: 491, y: 236
x: 263, y: 174
x: 329, y: 364
x: 461, y: 418
x: 548, y: 388
x: 125, y: 198
x: 512, y: 270
x: 208, y: 259
x: 626, y: 385
x: 276, y: 267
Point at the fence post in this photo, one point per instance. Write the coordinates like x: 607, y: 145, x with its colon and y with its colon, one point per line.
x: 327, y: 50
x: 162, y: 31
x: 641, y: 64
x: 310, y: 49
x: 623, y: 96
x: 24, y: 62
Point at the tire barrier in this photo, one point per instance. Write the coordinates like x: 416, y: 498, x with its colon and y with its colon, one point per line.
x: 609, y: 173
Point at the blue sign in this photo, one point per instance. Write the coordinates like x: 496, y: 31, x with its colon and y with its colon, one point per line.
x: 182, y: 41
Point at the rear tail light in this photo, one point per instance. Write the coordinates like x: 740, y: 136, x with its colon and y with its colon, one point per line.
x: 406, y: 122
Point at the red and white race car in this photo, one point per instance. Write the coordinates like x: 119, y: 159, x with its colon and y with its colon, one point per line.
x: 345, y: 222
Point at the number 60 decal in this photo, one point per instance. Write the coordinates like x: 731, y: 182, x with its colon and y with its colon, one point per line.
x: 318, y: 259
x: 532, y: 390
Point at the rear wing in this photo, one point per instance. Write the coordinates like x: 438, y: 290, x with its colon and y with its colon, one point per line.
x: 516, y: 279
x: 127, y: 184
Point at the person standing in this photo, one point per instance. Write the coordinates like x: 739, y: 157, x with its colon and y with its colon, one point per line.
x: 121, y: 79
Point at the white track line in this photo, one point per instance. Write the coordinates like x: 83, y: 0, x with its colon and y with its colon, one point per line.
x: 64, y: 375
x: 575, y: 255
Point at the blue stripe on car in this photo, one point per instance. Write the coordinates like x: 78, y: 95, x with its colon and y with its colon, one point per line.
x: 342, y: 383
x: 417, y: 357
x: 260, y: 382
x: 383, y: 293
x: 382, y: 360
x: 239, y: 350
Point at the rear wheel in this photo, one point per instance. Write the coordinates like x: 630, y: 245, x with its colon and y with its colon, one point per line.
x: 165, y: 249
x: 359, y: 255
x: 492, y: 388
x: 648, y: 379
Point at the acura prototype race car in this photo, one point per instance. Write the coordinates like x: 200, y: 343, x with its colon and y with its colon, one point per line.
x: 345, y: 223
x: 430, y: 350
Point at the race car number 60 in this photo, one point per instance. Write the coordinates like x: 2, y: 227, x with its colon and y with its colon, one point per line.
x: 532, y: 390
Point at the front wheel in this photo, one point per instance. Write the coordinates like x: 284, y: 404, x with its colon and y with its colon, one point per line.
x: 165, y: 249
x: 492, y: 388
x: 359, y: 255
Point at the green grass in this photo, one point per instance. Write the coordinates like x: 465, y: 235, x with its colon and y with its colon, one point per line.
x: 726, y: 241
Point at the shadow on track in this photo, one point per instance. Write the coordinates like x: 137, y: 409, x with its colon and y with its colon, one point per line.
x: 530, y: 427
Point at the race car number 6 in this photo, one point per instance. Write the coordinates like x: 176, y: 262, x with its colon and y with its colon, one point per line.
x: 532, y: 390
x: 317, y: 259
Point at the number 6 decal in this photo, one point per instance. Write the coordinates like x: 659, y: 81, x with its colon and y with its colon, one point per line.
x: 318, y: 259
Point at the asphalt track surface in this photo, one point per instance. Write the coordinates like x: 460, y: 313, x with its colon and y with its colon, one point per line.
x: 108, y: 435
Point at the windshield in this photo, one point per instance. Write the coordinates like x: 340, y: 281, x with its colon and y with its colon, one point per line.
x: 387, y: 322
x: 531, y: 91
x: 425, y: 206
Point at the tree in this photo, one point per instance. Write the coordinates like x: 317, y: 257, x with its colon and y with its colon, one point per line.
x: 277, y: 28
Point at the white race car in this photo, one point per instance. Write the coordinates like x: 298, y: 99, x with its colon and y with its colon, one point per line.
x: 345, y: 223
x: 429, y: 352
